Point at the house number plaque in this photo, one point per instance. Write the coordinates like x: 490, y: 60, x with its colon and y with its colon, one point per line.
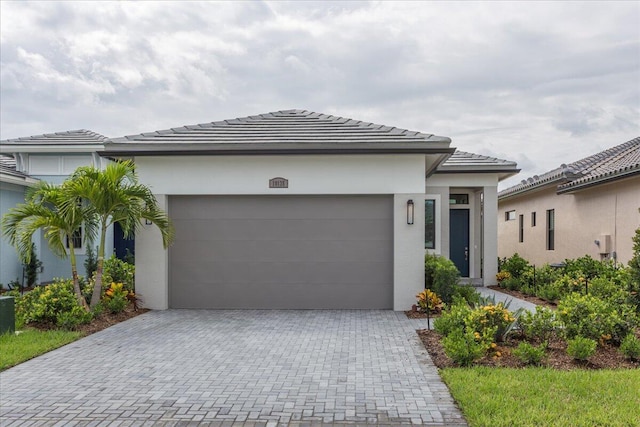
x: 278, y: 183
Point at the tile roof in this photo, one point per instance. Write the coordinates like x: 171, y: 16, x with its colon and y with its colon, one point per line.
x: 463, y: 159
x: 73, y: 137
x: 282, y: 130
x: 8, y: 167
x: 614, y: 163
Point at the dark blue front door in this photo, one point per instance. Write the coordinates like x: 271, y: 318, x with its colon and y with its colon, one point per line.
x: 459, y: 239
x: 123, y: 247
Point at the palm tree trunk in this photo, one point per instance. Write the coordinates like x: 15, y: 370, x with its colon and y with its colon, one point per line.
x: 97, y: 288
x: 74, y: 274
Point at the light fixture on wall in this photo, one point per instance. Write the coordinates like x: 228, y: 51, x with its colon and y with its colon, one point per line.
x: 410, y: 211
x: 147, y: 222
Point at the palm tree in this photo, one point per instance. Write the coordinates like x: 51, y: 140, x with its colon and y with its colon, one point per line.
x: 43, y: 210
x: 114, y: 195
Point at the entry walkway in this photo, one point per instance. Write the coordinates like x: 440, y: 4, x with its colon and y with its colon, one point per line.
x: 236, y: 368
x: 515, y: 304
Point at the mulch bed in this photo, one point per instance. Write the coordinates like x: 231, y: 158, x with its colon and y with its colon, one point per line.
x: 529, y: 298
x: 101, y: 322
x: 420, y: 315
x: 606, y: 357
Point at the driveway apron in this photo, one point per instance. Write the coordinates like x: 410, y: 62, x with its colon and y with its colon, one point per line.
x: 236, y: 368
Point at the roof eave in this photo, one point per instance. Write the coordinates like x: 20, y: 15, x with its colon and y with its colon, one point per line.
x: 25, y: 181
x: 185, y: 149
x: 604, y: 179
x: 50, y: 149
x: 533, y: 188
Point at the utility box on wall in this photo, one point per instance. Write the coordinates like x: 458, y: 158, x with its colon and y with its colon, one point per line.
x: 7, y: 315
x: 605, y: 243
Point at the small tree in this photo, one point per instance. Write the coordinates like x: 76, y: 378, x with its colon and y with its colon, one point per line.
x: 90, y: 263
x: 114, y: 195
x: 32, y: 267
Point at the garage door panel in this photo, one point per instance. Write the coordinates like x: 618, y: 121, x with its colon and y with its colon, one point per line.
x: 260, y: 296
x: 281, y: 252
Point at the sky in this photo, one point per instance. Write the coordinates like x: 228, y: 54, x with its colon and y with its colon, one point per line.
x: 539, y: 83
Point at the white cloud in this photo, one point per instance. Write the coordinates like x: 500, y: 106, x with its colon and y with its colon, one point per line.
x: 537, y: 82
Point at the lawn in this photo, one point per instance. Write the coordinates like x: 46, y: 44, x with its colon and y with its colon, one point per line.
x: 31, y: 343
x: 545, y: 397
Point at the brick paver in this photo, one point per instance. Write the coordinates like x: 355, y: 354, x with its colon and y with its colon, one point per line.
x: 235, y: 368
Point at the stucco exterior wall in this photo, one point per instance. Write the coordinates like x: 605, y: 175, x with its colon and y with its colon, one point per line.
x: 400, y: 175
x: 10, y: 265
x: 581, y: 218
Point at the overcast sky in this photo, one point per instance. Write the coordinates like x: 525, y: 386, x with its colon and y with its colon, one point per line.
x: 540, y: 83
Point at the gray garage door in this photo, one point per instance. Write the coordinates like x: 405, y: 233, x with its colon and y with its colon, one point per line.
x: 281, y: 252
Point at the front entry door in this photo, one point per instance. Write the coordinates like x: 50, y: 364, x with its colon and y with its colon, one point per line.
x: 459, y: 239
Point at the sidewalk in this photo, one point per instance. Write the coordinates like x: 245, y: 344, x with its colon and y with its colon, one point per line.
x: 516, y: 303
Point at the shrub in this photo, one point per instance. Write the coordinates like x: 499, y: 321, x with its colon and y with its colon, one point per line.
x: 516, y: 265
x: 592, y: 317
x: 581, y: 348
x: 452, y: 319
x: 630, y: 347
x: 535, y: 278
x: 511, y: 283
x: 529, y: 354
x: 441, y: 276
x: 491, y: 317
x: 116, y: 298
x: 502, y: 275
x: 429, y: 301
x: 584, y: 266
x: 465, y: 347
x: 634, y: 263
x: 466, y: 293
x: 539, y: 326
x: 118, y: 271
x: 45, y: 303
x: 549, y: 292
x: 70, y: 320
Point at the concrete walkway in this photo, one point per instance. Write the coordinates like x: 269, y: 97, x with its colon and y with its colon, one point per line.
x: 515, y: 304
x: 236, y: 368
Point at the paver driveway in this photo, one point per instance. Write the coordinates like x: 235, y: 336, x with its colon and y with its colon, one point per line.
x: 232, y: 367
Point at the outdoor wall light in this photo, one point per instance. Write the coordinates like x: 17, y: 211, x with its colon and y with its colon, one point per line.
x: 410, y: 211
x: 597, y: 242
x: 147, y: 222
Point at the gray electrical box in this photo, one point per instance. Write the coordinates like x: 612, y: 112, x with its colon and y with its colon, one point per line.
x: 7, y: 315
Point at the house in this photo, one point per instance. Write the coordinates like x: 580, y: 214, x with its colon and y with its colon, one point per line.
x: 51, y: 158
x: 296, y: 209
x: 588, y: 207
x: 13, y: 185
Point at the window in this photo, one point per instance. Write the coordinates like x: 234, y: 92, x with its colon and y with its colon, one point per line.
x: 510, y: 215
x: 458, y: 199
x: 430, y: 224
x: 76, y: 238
x: 521, y: 228
x: 533, y: 219
x: 551, y: 225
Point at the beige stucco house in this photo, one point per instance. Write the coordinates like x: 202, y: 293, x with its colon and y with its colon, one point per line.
x: 588, y: 207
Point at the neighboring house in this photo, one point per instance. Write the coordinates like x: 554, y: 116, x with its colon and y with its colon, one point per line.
x: 13, y: 185
x: 52, y: 158
x: 589, y: 207
x: 296, y: 209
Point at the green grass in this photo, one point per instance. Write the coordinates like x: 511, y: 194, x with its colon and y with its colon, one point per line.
x: 543, y: 397
x: 15, y: 349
